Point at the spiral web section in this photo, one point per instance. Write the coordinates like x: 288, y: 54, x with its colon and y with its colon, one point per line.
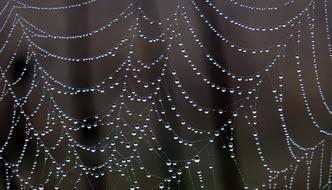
x: 154, y: 124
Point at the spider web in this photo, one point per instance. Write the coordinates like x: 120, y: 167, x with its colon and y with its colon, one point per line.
x: 175, y: 97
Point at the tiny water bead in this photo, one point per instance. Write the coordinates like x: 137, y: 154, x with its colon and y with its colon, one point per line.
x: 197, y: 159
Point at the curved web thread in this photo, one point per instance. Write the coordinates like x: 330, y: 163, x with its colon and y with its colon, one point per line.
x: 152, y: 105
